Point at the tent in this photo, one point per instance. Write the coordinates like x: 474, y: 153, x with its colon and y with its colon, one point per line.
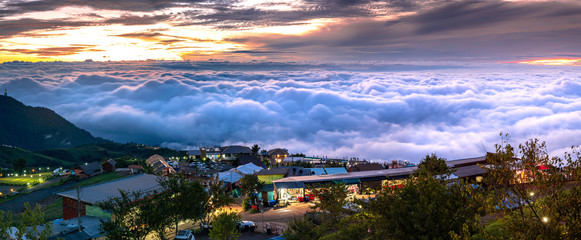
x: 248, y: 168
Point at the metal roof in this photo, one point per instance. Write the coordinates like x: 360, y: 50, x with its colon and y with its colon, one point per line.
x: 230, y: 176
x: 469, y: 171
x: 467, y: 161
x: 236, y: 150
x: 248, y: 168
x: 273, y: 171
x: 335, y: 170
x: 390, y: 173
x: 316, y: 171
x: 103, y: 191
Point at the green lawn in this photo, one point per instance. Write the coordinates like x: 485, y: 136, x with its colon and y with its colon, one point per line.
x: 54, y: 210
x: 102, y: 178
x: 22, y: 180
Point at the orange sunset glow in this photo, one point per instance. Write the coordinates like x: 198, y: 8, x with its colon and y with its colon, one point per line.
x: 554, y: 62
x: 286, y: 30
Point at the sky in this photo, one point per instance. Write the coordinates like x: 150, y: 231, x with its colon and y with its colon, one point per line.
x: 289, y: 30
x: 377, y: 80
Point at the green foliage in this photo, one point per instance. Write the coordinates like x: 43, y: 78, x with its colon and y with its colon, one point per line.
x: 300, y: 164
x: 333, y: 217
x: 5, y: 224
x: 224, y: 226
x: 335, y: 164
x: 426, y: 207
x: 301, y: 229
x: 105, y: 177
x: 545, y: 203
x: 218, y: 199
x: 246, y: 203
x: 107, y: 150
x: 332, y: 199
x: 298, y: 155
x: 431, y: 165
x: 7, y: 154
x: 129, y: 221
x: 30, y: 225
x: 255, y: 148
x: 188, y: 200
x: 155, y: 210
x: 250, y: 184
x: 19, y: 165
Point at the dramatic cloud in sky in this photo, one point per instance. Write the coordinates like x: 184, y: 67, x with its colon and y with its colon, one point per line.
x: 389, y: 110
x: 296, y: 30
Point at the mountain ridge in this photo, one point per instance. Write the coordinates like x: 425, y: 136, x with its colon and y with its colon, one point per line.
x: 38, y: 128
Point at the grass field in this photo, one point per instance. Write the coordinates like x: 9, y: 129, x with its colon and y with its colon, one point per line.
x: 105, y: 177
x: 22, y: 180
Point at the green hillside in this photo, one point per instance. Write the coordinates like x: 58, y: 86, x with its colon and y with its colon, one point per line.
x: 70, y: 157
x: 107, y: 150
x: 38, y: 128
x: 7, y: 154
x: 45, y: 139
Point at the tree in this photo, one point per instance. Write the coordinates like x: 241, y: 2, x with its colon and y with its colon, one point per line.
x: 217, y: 199
x: 31, y: 224
x: 333, y: 217
x: 19, y: 164
x: 156, y: 210
x: 539, y: 201
x: 301, y: 228
x: 189, y: 198
x: 224, y: 226
x: 255, y: 149
x: 250, y: 184
x: 427, y: 206
x: 432, y: 165
x: 5, y: 224
x: 128, y: 221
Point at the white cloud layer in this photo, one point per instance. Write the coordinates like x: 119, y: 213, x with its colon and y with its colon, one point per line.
x: 318, y: 110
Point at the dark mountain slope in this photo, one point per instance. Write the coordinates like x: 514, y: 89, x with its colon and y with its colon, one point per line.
x: 38, y: 128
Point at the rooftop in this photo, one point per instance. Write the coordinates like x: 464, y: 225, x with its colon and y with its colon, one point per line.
x: 394, y: 172
x: 467, y: 161
x: 102, y: 192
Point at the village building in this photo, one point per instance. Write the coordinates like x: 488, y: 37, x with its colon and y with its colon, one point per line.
x: 88, y: 170
x: 159, y: 166
x: 109, y: 166
x: 89, y: 197
x: 276, y: 155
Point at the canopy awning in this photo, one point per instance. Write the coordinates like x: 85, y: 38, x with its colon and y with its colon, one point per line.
x: 282, y: 185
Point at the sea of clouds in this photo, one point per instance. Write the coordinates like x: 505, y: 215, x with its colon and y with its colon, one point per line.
x: 380, y: 111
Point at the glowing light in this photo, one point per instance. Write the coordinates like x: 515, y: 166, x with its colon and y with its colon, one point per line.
x: 554, y: 62
x: 545, y: 219
x: 532, y: 194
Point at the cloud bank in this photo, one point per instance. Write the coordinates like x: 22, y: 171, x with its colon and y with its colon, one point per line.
x: 370, y: 111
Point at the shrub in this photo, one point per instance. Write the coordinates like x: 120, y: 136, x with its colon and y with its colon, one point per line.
x: 246, y: 204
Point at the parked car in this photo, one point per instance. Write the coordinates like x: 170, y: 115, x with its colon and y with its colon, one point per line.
x: 244, y: 226
x: 185, y: 235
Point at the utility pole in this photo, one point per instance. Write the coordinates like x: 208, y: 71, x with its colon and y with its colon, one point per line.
x: 79, y: 207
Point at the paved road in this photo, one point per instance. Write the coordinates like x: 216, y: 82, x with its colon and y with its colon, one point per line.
x: 17, y: 204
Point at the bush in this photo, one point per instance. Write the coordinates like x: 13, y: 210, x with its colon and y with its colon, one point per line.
x: 246, y: 204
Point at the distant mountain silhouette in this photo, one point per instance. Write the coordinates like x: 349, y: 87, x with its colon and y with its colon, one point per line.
x: 38, y: 128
